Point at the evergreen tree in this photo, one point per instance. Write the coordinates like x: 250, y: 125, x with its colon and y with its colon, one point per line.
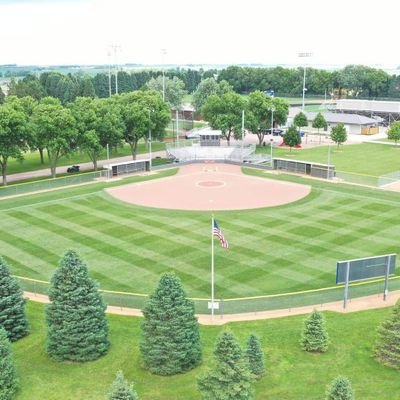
x: 8, y: 375
x: 76, y: 324
x: 255, y: 356
x: 230, y: 379
x: 12, y: 305
x: 314, y: 336
x: 170, y: 332
x: 387, y: 350
x: 121, y: 389
x: 340, y: 389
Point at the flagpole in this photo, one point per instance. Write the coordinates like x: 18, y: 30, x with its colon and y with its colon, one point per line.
x: 212, y: 268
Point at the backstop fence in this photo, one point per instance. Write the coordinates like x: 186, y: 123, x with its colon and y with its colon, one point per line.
x: 246, y: 304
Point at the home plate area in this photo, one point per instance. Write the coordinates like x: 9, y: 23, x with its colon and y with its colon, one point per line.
x: 209, y: 186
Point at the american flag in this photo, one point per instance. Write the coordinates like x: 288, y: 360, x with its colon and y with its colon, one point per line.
x: 217, y: 232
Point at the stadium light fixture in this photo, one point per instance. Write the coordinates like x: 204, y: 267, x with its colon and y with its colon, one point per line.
x: 304, y: 55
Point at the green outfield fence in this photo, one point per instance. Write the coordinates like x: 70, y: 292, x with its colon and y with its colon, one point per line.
x: 49, y: 184
x: 246, y: 304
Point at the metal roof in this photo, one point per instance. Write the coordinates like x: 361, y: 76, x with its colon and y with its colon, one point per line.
x: 348, y: 119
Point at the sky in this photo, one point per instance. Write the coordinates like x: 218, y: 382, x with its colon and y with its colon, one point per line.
x: 336, y: 32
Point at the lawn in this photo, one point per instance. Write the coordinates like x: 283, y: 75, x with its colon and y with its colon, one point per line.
x: 272, y: 250
x: 291, y: 373
x: 367, y: 158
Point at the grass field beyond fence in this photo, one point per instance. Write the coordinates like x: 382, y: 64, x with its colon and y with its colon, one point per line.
x: 292, y: 374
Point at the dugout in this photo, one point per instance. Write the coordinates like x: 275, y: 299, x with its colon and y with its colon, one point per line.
x: 316, y: 170
x: 128, y: 167
x: 210, y: 138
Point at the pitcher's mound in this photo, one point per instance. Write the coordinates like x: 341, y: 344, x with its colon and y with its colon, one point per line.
x: 220, y: 187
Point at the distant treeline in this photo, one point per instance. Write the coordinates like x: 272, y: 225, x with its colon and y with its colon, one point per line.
x: 355, y: 81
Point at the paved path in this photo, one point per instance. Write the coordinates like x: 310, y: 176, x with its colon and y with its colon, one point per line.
x: 360, y: 304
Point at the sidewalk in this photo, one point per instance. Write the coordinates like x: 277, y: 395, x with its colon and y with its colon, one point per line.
x: 359, y: 304
x: 83, y: 167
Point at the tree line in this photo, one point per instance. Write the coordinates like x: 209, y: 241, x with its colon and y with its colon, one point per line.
x: 355, y: 81
x: 86, y: 124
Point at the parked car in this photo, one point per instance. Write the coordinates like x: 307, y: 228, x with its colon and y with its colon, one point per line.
x: 74, y: 168
x: 275, y: 132
x: 192, y: 135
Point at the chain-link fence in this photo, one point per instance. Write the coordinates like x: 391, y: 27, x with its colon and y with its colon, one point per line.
x: 246, y: 304
x: 49, y: 184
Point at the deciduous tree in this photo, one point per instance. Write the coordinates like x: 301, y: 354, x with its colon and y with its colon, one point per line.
x: 134, y: 108
x: 292, y: 137
x: 174, y: 90
x: 13, y: 135
x: 339, y: 134
x: 77, y: 328
x: 170, y: 342
x: 224, y: 112
x: 55, y: 130
x: 319, y: 122
x: 393, y: 133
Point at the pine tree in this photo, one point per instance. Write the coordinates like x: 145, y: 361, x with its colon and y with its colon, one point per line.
x: 8, y: 375
x: 230, y: 379
x: 387, y: 350
x: 170, y: 332
x: 255, y: 356
x: 121, y: 389
x: 12, y: 305
x: 314, y: 336
x: 340, y: 389
x: 76, y: 324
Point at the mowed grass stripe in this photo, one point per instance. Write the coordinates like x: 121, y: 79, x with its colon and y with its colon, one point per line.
x: 74, y: 235
x: 139, y: 258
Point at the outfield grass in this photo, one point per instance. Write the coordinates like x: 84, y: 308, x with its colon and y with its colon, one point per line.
x: 272, y: 250
x: 291, y: 373
x: 367, y: 158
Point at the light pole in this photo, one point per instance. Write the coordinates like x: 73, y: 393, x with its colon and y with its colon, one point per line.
x: 329, y: 160
x: 109, y: 74
x: 108, y: 162
x: 177, y: 126
x: 115, y: 48
x: 271, y: 142
x: 272, y: 120
x: 163, y: 52
x: 242, y: 132
x: 150, y: 138
x: 304, y: 55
